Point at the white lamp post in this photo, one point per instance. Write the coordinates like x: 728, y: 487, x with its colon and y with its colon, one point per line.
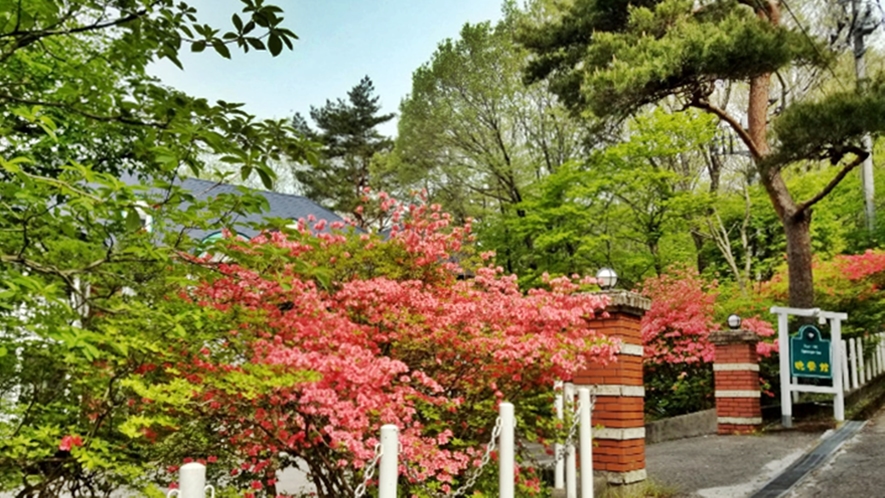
x: 606, y: 278
x: 734, y: 321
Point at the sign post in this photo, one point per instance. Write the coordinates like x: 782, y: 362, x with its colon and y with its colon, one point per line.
x: 810, y: 356
x: 807, y: 355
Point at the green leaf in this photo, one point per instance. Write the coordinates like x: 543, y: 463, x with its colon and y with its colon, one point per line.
x: 221, y: 48
x: 174, y: 59
x: 266, y: 179
x: 256, y: 43
x: 198, y: 46
x: 133, y: 220
x: 275, y: 45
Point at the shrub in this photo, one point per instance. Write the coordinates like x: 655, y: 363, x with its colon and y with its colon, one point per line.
x: 675, y: 334
x: 326, y: 335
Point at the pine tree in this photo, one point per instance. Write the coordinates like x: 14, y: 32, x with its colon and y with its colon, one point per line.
x: 347, y: 131
x: 612, y: 57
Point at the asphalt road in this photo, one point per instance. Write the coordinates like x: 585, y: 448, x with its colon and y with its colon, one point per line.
x: 725, y: 466
x: 856, y: 471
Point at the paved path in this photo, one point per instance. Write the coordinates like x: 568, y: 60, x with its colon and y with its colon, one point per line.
x: 856, y: 471
x: 726, y: 466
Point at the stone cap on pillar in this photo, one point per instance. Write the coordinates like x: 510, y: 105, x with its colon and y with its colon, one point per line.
x: 629, y: 303
x: 725, y: 337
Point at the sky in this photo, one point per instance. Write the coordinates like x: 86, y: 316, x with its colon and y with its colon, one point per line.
x: 340, y: 42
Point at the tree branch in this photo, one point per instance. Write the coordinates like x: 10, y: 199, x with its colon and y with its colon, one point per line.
x: 86, y: 114
x: 728, y: 118
x: 28, y: 37
x: 860, y: 155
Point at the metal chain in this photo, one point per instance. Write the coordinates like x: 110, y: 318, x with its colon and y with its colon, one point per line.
x: 471, y: 481
x: 486, y: 457
x: 573, y: 430
x: 410, y: 474
x: 370, y: 471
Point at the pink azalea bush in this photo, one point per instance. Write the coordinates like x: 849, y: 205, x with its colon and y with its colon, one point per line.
x: 851, y: 283
x: 676, y: 337
x: 683, y: 313
x: 326, y: 336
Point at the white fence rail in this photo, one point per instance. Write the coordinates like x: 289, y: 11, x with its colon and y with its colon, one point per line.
x: 192, y: 476
x: 864, y: 358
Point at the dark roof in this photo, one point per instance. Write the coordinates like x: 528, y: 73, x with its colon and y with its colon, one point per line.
x: 285, y: 206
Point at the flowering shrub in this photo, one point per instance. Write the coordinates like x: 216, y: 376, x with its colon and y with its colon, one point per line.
x: 849, y: 283
x: 677, y: 327
x: 675, y: 335
x: 325, y: 336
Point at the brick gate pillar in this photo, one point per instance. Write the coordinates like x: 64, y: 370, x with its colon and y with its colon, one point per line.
x: 619, y: 446
x: 736, y: 372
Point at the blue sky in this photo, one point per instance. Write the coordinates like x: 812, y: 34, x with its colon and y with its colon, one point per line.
x: 340, y: 42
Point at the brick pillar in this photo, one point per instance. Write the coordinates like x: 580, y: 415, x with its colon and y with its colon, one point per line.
x: 736, y: 370
x: 619, y: 446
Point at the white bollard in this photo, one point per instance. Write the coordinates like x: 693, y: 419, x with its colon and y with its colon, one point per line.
x: 855, y: 377
x: 506, y: 452
x: 586, y: 438
x: 571, y: 463
x: 388, y: 468
x: 846, y: 375
x: 192, y: 482
x: 559, y: 472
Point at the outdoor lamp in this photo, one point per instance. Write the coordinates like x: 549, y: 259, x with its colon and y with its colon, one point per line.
x: 607, y: 278
x: 734, y: 321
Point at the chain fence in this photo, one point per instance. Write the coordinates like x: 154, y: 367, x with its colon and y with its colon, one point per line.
x: 486, y: 457
x: 369, y: 473
x: 470, y: 482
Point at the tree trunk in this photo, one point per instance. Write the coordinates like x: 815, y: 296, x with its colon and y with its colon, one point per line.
x: 797, y: 224
x: 701, y: 260
x: 798, y: 231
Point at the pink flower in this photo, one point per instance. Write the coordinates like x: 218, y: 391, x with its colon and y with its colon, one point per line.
x: 67, y: 442
x: 385, y: 343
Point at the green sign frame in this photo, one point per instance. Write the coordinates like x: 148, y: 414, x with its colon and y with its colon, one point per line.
x: 810, y: 356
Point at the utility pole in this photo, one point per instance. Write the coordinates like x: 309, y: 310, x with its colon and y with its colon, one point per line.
x: 863, y: 24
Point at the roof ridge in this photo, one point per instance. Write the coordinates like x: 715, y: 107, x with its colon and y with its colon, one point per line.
x: 262, y: 191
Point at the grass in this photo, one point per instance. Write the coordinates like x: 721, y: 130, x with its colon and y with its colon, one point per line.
x: 644, y: 489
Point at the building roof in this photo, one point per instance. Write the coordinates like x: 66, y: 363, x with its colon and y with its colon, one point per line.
x: 285, y: 206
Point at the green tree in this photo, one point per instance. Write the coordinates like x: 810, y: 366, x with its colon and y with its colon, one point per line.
x: 610, y: 58
x: 629, y: 206
x: 348, y: 134
x: 80, y: 67
x: 82, y: 281
x: 471, y: 132
x: 476, y: 138
x: 84, y: 310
